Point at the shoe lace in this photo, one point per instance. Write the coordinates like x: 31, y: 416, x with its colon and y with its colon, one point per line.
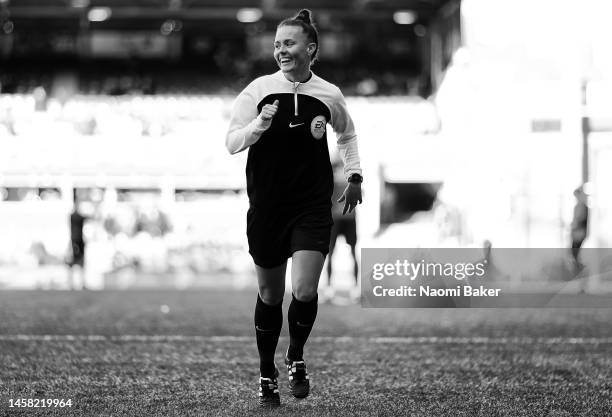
x: 297, y: 370
x: 268, y: 384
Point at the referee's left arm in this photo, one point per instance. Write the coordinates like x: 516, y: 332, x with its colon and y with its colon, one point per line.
x: 342, y: 123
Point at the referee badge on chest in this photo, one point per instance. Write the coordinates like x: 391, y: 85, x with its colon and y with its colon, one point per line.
x: 317, y: 127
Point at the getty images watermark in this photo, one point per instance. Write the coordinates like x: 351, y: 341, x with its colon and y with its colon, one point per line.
x: 476, y: 277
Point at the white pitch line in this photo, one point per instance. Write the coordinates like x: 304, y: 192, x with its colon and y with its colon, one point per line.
x: 317, y: 339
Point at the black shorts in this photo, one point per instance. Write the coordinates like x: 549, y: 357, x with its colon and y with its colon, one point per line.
x: 347, y: 227
x: 275, y: 234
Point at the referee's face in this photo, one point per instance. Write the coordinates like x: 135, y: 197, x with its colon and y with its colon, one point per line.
x: 291, y: 49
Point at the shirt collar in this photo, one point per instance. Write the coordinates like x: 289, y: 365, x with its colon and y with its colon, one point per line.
x: 282, y: 76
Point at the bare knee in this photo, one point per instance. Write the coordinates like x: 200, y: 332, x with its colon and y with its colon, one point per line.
x: 305, y: 292
x: 271, y: 296
x: 271, y: 284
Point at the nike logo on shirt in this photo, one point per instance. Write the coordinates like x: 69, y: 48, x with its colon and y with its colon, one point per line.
x: 292, y: 125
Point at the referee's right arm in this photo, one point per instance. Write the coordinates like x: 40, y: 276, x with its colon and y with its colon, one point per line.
x: 246, y: 126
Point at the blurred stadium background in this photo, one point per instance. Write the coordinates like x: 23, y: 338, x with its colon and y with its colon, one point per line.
x: 477, y: 120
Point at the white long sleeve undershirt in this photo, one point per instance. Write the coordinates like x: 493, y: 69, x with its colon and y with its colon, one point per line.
x: 349, y: 153
x: 239, y: 139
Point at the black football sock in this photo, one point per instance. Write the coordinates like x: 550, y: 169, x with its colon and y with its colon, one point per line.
x: 268, y: 325
x: 301, y: 317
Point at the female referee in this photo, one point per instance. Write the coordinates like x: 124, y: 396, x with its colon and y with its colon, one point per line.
x: 282, y: 119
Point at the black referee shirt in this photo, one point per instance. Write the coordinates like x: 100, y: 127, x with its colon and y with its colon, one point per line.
x: 288, y: 163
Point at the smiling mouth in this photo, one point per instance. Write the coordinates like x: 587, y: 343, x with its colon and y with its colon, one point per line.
x: 285, y: 61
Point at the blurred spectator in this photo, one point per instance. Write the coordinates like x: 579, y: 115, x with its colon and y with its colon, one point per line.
x: 344, y: 225
x: 367, y: 87
x: 40, y: 98
x: 111, y: 225
x: 579, y: 226
x: 153, y: 222
x: 219, y: 77
x: 76, y: 257
x: 41, y: 254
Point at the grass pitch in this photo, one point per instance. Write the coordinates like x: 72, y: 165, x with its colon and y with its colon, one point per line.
x: 192, y: 353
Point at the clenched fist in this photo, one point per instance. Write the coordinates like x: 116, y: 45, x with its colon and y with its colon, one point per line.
x: 268, y: 111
